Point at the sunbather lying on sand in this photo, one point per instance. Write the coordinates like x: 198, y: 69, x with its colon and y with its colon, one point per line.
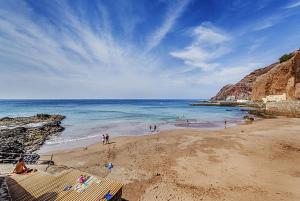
x: 21, y: 167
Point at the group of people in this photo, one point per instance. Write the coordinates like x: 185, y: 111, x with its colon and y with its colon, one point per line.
x: 105, y: 139
x: 153, y: 128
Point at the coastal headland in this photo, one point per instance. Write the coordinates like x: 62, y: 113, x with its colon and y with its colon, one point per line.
x: 256, y: 161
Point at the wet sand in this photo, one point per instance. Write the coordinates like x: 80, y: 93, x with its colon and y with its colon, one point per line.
x: 259, y: 161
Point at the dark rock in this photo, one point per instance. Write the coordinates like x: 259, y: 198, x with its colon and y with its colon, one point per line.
x: 20, y: 139
x: 43, y: 116
x: 4, y: 195
x: 262, y: 113
x: 248, y: 118
x: 6, y: 119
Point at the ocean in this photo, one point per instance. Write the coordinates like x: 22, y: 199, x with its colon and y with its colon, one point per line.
x: 87, y: 120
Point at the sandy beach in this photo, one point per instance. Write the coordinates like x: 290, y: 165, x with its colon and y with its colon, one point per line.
x: 258, y: 161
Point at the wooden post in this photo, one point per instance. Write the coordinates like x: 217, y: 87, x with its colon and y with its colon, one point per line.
x: 49, y: 162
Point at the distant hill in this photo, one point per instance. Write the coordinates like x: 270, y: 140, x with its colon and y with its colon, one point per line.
x: 278, y: 78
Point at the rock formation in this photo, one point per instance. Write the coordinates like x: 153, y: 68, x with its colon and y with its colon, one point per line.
x: 275, y: 79
x: 27, y: 134
x: 242, y: 89
x: 283, y: 78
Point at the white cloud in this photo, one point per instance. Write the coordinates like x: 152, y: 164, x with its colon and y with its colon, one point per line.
x: 172, y: 15
x: 71, y: 59
x: 267, y: 22
x: 293, y: 5
x: 36, y: 56
x: 206, y: 34
x: 208, y: 44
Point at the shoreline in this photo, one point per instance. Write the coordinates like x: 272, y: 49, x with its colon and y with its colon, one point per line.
x: 86, y: 141
x: 257, y: 161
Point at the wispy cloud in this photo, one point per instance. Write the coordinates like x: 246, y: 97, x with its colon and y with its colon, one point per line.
x: 208, y: 44
x: 88, y: 49
x: 172, y: 15
x: 71, y: 54
x: 293, y: 5
x: 268, y: 22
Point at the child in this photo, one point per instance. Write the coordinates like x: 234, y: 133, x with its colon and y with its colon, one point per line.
x: 81, y: 179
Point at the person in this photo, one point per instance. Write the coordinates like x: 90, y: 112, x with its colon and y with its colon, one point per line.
x: 103, y: 139
x: 21, y: 167
x: 81, y: 179
x: 150, y: 127
x: 225, y: 123
x: 154, y: 127
x: 107, y: 138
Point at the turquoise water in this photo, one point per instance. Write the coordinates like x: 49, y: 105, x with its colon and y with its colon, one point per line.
x: 87, y: 120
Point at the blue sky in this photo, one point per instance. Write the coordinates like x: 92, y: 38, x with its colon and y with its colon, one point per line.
x: 139, y: 48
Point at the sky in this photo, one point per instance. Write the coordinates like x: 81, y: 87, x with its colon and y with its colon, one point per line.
x: 177, y: 49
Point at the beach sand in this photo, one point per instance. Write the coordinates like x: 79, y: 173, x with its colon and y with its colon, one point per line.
x: 258, y: 161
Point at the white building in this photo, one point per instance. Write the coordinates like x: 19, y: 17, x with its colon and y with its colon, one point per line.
x: 242, y: 101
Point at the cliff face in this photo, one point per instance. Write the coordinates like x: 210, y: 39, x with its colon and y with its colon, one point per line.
x: 283, y: 78
x: 275, y: 79
x: 242, y: 89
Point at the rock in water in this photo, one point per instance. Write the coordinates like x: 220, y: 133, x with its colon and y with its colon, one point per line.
x: 26, y: 134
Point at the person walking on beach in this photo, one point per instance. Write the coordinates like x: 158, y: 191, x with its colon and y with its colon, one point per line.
x: 103, y: 139
x: 225, y: 123
x: 150, y: 127
x: 107, y: 138
x: 154, y: 127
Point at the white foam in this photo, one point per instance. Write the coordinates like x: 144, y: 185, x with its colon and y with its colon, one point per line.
x: 59, y: 140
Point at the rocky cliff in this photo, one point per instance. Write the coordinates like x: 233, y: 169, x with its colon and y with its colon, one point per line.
x: 283, y: 78
x: 242, y: 89
x: 275, y: 79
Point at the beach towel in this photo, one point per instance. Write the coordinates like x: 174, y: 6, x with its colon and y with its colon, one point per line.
x: 81, y: 187
x: 108, y: 196
x: 67, y: 187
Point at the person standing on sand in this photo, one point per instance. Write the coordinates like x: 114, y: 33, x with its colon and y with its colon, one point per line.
x: 103, y: 139
x: 154, y: 127
x: 150, y: 127
x: 107, y: 138
x: 225, y: 123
